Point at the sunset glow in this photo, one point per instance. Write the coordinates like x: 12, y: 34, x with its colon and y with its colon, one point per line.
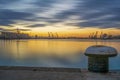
x: 67, y: 18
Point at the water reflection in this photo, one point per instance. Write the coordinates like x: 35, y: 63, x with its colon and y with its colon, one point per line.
x: 50, y: 53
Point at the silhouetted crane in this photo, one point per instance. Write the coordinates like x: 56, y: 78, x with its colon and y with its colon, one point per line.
x: 95, y: 36
x: 56, y: 35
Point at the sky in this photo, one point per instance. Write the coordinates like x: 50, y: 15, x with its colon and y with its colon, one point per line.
x: 81, y: 16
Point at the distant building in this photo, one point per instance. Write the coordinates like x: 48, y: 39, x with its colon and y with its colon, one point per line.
x: 13, y: 35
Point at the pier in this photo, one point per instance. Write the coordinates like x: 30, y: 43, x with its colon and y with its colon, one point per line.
x: 36, y: 73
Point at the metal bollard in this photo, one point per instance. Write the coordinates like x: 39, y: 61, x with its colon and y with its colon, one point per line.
x: 98, y: 57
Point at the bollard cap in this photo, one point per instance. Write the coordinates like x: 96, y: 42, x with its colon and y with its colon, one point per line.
x: 101, y: 50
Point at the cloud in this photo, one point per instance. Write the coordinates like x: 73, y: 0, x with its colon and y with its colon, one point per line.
x: 44, y: 3
x: 80, y: 13
x: 36, y: 25
x: 92, y: 13
x: 8, y: 17
x: 98, y: 13
x: 3, y: 2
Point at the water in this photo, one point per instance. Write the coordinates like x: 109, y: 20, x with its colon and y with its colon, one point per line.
x: 51, y: 53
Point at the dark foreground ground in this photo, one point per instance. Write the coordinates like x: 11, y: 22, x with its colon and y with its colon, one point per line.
x: 35, y: 73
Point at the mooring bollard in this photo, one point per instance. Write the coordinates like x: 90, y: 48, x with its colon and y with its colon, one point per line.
x: 98, y: 57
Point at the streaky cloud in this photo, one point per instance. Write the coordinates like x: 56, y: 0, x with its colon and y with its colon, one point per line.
x: 37, y: 25
x: 8, y: 17
x: 90, y: 13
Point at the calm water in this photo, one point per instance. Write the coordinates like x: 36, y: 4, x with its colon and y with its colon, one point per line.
x: 51, y: 53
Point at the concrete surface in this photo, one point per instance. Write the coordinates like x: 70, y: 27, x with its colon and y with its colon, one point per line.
x: 36, y: 73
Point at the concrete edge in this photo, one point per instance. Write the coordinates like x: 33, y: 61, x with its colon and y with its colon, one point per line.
x: 51, y: 69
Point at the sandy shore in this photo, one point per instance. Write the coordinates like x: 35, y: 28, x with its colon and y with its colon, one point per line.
x: 42, y: 73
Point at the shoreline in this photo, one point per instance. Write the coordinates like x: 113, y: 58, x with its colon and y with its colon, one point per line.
x: 56, y: 39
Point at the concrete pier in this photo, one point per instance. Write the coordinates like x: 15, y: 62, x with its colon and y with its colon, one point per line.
x: 37, y: 73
